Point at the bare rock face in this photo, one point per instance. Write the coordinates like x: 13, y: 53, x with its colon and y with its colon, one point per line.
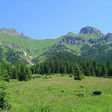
x: 108, y: 37
x: 10, y: 45
x: 90, y: 30
x: 12, y: 32
x: 73, y: 40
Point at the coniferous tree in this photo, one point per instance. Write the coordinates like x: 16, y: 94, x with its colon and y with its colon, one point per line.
x: 104, y: 71
x: 78, y: 74
x: 3, y: 98
x: 24, y: 73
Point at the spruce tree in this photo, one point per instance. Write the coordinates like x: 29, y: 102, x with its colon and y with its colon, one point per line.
x: 78, y: 74
x: 24, y: 73
x: 104, y: 71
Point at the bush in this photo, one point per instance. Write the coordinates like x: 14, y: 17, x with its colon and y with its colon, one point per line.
x: 45, y: 77
x: 81, y: 86
x: 95, y: 93
x: 3, y: 98
x: 80, y: 95
x: 62, y: 91
x: 70, y: 75
x: 37, y: 76
x: 6, y: 78
x: 80, y: 77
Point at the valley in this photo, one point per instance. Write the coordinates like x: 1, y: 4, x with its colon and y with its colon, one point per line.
x: 56, y: 93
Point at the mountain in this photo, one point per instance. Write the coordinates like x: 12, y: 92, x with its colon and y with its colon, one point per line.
x: 11, y: 32
x: 90, y: 30
x: 90, y: 43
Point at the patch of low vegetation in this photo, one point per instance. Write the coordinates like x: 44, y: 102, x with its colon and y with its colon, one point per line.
x: 97, y: 93
x: 70, y: 75
x: 37, y: 76
x: 40, y: 107
x: 80, y: 95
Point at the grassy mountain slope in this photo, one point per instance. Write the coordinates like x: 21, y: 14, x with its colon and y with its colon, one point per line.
x: 11, y: 55
x: 85, y: 36
x: 38, y: 50
x: 27, y: 43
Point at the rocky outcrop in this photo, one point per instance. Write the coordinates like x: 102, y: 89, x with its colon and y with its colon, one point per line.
x: 12, y: 32
x: 10, y: 45
x: 73, y: 40
x: 90, y: 30
x: 108, y: 37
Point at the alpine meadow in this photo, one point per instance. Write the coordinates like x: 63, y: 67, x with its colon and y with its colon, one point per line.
x: 67, y: 73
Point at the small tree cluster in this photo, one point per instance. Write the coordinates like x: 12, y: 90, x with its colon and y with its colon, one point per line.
x: 24, y: 73
x: 6, y: 70
x: 3, y: 98
x: 78, y: 74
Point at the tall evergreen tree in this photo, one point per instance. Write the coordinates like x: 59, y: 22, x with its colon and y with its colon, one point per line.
x: 24, y: 73
x: 78, y: 74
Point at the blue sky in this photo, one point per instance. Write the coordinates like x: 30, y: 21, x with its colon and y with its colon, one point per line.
x: 41, y: 19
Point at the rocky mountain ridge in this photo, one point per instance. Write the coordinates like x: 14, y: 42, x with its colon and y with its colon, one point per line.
x: 90, y: 30
x: 89, y: 40
x: 12, y: 32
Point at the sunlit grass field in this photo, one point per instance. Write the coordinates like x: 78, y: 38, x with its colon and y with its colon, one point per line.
x: 60, y: 94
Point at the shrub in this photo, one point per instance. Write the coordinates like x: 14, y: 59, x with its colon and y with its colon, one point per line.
x: 62, y: 91
x: 79, y: 77
x: 81, y: 86
x: 6, y: 78
x: 38, y: 76
x: 95, y: 93
x: 70, y: 75
x: 45, y: 77
x: 80, y: 95
x: 63, y: 74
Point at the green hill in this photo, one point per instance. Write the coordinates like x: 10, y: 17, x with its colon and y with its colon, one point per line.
x: 90, y: 43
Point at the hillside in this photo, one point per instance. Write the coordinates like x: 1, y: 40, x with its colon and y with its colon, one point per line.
x: 89, y: 43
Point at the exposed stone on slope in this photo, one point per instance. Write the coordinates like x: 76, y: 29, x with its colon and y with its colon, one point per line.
x: 73, y: 40
x: 90, y: 30
x: 108, y: 37
x: 12, y: 32
x: 10, y: 45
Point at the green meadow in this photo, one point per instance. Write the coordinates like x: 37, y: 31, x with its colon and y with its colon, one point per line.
x: 58, y: 93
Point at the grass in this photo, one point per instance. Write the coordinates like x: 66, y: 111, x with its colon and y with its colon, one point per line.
x: 27, y: 43
x: 76, y: 48
x: 85, y: 36
x: 42, y: 45
x: 60, y: 94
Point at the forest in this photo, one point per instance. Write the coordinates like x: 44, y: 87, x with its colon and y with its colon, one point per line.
x: 62, y: 63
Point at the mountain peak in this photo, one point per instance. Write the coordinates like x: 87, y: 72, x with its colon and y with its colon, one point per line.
x: 90, y: 30
x: 12, y: 32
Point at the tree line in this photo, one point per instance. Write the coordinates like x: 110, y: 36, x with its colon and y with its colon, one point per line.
x: 20, y: 72
x: 68, y: 63
x: 61, y: 63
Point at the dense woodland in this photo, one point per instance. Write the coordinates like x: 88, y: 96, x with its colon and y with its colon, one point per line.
x: 62, y: 63
x: 68, y: 63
